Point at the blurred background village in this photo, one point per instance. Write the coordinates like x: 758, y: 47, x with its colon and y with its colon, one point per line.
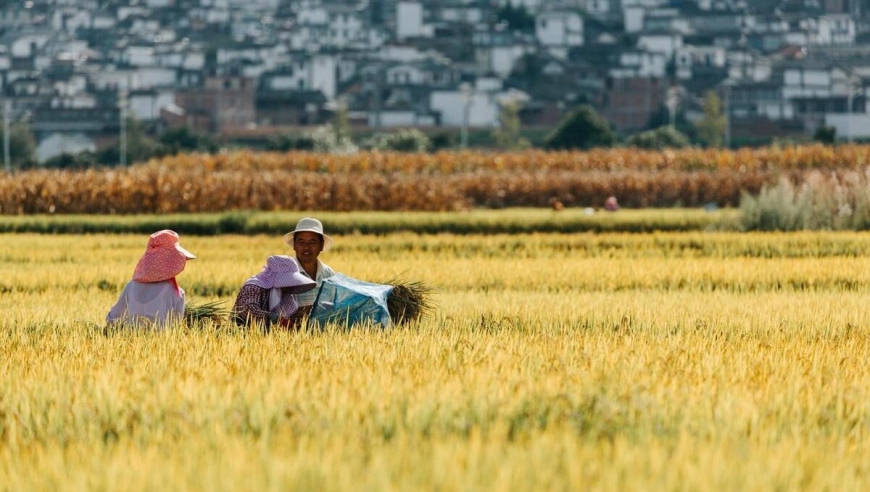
x: 112, y: 82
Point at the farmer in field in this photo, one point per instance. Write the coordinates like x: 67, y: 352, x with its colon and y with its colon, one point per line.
x: 308, y: 241
x: 269, y: 296
x: 153, y: 297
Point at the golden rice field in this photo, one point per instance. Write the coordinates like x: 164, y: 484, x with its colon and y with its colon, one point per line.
x: 676, y: 362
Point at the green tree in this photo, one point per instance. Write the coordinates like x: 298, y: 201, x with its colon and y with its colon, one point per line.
x: 282, y: 142
x: 22, y: 146
x: 825, y: 134
x: 442, y: 140
x: 183, y: 139
x: 140, y: 147
x: 711, y: 128
x: 529, y: 66
x: 406, y: 140
x: 583, y: 128
x: 340, y: 124
x: 661, y: 138
x: 507, y: 136
x: 517, y: 18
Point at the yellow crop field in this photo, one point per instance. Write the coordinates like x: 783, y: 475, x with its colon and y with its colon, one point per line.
x: 445, y: 181
x: 669, y: 361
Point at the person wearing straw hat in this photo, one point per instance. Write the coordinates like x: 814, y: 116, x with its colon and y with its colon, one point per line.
x: 308, y: 241
x: 268, y: 297
x: 153, y: 297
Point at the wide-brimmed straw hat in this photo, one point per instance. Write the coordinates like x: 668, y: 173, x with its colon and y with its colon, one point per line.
x: 282, y: 272
x: 164, y: 258
x: 309, y: 224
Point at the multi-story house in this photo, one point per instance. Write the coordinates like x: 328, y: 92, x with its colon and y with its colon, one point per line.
x: 224, y: 103
x: 497, y: 51
x: 558, y: 30
x: 335, y: 26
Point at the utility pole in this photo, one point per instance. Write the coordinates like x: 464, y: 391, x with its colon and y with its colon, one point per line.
x: 122, y: 138
x: 466, y: 91
x: 376, y: 97
x: 850, y: 101
x: 727, y: 112
x: 6, y: 158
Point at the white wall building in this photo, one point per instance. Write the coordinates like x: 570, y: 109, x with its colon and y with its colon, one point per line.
x: 146, y: 105
x: 480, y: 104
x: 29, y: 44
x: 849, y: 126
x: 409, y: 21
x: 559, y: 30
x: 632, y: 18
x: 806, y: 82
x: 665, y: 43
x: 334, y: 26
x: 502, y: 59
x: 835, y: 30
x: 139, y: 56
x: 306, y: 73
x: 63, y: 143
x: 405, y: 74
x: 640, y: 64
x: 395, y: 118
x: 687, y: 58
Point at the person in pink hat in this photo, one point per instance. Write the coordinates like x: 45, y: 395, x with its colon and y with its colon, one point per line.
x: 269, y: 296
x: 153, y: 297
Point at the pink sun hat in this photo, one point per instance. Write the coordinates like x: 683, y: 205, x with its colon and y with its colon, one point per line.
x: 282, y: 272
x: 164, y: 258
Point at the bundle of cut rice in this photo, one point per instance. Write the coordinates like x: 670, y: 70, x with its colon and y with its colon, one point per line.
x: 409, y: 301
x: 207, y: 311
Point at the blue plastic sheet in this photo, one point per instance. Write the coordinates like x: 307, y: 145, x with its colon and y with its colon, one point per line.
x: 348, y: 301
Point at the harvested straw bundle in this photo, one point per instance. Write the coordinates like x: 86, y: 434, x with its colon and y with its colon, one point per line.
x: 409, y: 301
x: 207, y: 311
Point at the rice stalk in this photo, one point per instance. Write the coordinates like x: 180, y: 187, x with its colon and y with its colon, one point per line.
x: 409, y: 301
x: 196, y: 313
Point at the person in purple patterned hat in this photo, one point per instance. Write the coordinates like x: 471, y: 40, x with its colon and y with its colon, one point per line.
x: 153, y: 297
x: 268, y: 297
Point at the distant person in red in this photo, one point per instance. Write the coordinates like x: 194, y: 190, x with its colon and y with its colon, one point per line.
x: 153, y: 298
x: 611, y: 205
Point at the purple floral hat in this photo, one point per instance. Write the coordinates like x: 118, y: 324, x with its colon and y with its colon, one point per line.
x: 282, y: 272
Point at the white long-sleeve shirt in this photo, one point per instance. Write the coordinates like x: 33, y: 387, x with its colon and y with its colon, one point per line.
x: 148, y: 304
x: 323, y: 271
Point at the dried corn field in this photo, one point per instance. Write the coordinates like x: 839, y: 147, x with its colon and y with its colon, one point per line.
x: 668, y: 361
x: 423, y: 182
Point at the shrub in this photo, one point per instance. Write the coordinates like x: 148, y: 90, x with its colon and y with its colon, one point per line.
x: 661, y: 138
x: 408, y: 140
x: 825, y: 134
x: 183, y: 139
x: 581, y: 129
x: 327, y: 140
x: 835, y: 201
x: 283, y: 142
x: 442, y: 140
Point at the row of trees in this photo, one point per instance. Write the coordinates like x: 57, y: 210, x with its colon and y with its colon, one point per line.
x: 583, y: 128
x: 140, y: 146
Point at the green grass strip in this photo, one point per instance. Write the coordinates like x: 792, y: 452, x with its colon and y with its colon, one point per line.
x: 506, y: 221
